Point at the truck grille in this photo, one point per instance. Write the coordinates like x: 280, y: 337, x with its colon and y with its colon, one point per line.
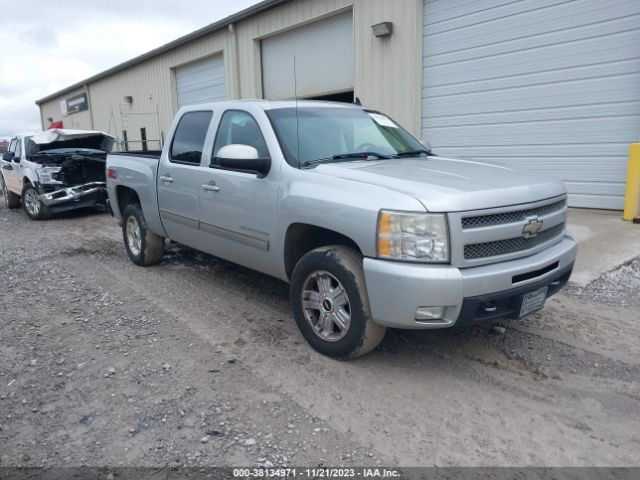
x: 511, y: 245
x: 508, y: 217
x: 482, y: 237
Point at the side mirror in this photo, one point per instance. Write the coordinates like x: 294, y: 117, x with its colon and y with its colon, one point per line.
x: 8, y: 156
x: 242, y: 158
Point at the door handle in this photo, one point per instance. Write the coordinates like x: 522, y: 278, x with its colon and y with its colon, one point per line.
x: 211, y: 187
x: 166, y: 179
x: 7, y: 167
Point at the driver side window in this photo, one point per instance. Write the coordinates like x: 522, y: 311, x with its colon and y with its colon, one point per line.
x: 240, y: 128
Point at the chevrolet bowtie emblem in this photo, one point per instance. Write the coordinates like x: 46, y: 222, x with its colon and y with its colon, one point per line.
x: 532, y: 227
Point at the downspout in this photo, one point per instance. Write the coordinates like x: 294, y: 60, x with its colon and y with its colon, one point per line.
x: 41, y: 117
x: 235, y: 61
x: 88, y: 92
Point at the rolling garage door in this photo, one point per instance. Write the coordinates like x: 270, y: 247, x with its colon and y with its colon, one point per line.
x: 548, y: 85
x: 323, y: 54
x: 201, y: 81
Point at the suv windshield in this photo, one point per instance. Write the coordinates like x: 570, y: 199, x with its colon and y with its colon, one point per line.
x: 325, y: 134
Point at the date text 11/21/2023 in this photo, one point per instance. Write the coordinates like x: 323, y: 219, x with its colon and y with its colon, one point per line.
x: 316, y: 472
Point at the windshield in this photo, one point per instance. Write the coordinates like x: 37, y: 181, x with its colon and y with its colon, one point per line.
x: 321, y: 134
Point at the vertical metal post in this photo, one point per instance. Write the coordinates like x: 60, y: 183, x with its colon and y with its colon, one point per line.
x: 632, y: 195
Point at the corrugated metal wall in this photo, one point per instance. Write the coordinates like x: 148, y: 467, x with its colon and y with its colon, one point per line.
x: 322, y: 53
x: 201, y: 81
x: 151, y: 83
x: 79, y: 120
x: 547, y: 85
x: 389, y: 69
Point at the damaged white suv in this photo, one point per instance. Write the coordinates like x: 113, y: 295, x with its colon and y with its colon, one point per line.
x: 55, y: 171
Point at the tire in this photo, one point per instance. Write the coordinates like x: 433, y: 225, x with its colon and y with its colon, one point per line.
x: 32, y: 205
x: 9, y: 199
x: 322, y: 279
x: 143, y: 246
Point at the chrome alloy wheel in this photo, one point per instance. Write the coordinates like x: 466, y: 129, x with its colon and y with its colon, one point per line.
x: 326, y: 306
x: 134, y: 237
x: 32, y: 202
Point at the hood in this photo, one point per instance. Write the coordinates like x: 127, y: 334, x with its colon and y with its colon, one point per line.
x: 450, y: 185
x: 65, y: 138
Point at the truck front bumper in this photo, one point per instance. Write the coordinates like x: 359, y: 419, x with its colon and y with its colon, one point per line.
x: 468, y: 295
x: 79, y: 196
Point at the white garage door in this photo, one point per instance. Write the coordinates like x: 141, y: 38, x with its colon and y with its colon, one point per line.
x: 550, y: 85
x: 201, y: 81
x: 323, y: 54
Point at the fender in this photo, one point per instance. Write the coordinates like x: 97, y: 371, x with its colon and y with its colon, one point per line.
x: 30, y: 176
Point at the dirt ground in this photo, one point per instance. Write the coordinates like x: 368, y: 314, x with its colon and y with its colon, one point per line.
x: 198, y: 362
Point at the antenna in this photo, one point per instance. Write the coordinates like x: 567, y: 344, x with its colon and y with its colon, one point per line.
x: 295, y: 93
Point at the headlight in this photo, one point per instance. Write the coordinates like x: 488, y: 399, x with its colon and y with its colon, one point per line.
x: 46, y: 174
x: 415, y: 237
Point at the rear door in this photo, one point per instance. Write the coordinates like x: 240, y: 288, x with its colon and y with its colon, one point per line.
x: 180, y: 178
x: 238, y: 209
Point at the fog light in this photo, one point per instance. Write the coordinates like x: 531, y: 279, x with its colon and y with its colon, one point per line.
x: 430, y: 313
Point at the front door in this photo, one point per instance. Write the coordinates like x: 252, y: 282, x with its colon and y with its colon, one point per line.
x: 238, y: 209
x: 11, y: 169
x: 180, y: 179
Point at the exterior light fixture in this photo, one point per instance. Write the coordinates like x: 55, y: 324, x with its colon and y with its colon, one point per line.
x: 128, y: 99
x: 383, y: 29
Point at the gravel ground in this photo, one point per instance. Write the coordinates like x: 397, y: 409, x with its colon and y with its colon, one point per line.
x: 197, y: 362
x: 618, y: 287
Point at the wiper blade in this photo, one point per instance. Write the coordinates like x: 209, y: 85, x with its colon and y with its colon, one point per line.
x: 413, y: 153
x: 361, y: 155
x: 345, y: 156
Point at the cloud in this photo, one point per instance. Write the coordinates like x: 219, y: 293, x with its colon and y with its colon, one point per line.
x: 42, y: 37
x: 51, y: 45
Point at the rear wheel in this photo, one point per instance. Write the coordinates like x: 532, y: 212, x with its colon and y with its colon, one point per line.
x: 331, y: 305
x: 33, y: 207
x: 143, y: 246
x: 9, y: 199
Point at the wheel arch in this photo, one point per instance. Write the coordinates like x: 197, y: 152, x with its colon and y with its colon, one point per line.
x: 126, y: 196
x: 301, y: 238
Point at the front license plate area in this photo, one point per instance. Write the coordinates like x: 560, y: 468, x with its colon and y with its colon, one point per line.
x: 532, y: 302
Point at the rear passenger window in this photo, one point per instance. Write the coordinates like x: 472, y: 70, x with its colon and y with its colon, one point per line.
x: 188, y: 141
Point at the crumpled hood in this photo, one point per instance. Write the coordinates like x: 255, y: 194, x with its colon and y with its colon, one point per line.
x: 66, y: 138
x: 450, y: 185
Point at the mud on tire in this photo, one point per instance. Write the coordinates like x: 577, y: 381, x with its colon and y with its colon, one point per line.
x: 340, y: 270
x: 142, y: 245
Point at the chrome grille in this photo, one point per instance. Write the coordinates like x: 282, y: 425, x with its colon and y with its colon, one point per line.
x: 509, y: 217
x: 511, y: 245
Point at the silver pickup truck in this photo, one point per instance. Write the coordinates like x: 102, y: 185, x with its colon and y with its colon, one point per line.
x: 370, y: 228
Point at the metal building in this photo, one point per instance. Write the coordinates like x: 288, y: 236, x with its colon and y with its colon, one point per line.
x: 548, y: 85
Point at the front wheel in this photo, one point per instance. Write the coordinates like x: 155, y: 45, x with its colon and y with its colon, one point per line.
x: 143, y: 246
x: 331, y: 305
x: 33, y: 207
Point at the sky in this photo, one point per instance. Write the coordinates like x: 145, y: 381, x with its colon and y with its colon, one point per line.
x: 48, y: 45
